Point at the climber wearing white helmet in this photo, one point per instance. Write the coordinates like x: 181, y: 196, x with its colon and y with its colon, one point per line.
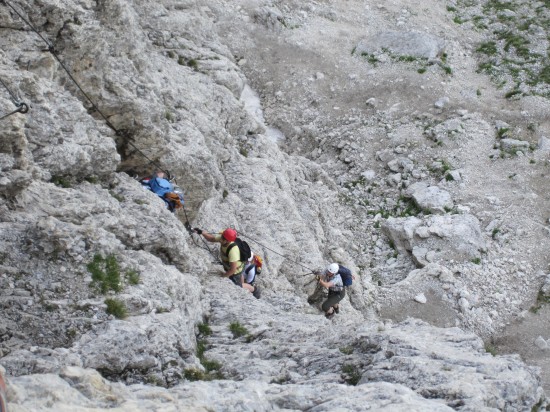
x: 335, y: 278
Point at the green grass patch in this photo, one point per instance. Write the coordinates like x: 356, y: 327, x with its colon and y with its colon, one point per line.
x: 238, y: 330
x: 351, y: 374
x: 133, y: 277
x: 116, y: 308
x: 61, y: 181
x: 204, y: 329
x: 105, y: 273
x: 489, y: 48
x: 346, y: 350
x: 490, y: 348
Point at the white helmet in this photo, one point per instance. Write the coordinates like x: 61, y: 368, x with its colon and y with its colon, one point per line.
x: 333, y: 268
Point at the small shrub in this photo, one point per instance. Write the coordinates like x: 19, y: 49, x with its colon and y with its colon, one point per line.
x: 243, y: 152
x: 118, y: 197
x: 532, y: 161
x: 237, y: 330
x: 225, y: 193
x: 133, y: 277
x: 448, y: 70
x: 193, y: 64
x: 171, y: 54
x: 476, y: 261
x: 346, y: 350
x: 512, y: 93
x: 204, y: 329
x: 495, y: 232
x: 181, y: 60
x: 116, y: 308
x: 351, y: 374
x: 422, y: 70
x: 193, y: 374
x: 105, y: 273
x: 489, y: 48
x: 211, y: 365
x: 61, y: 181
x: 92, y: 179
x: 490, y: 348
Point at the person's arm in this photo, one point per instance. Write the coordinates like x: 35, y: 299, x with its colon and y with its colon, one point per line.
x: 232, y: 269
x: 325, y: 284
x: 208, y: 236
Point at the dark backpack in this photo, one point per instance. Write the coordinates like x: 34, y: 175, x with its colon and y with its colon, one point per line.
x: 345, y: 274
x: 244, y: 249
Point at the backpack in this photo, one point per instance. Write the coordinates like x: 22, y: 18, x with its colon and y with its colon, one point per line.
x: 160, y: 186
x: 244, y: 249
x: 345, y: 274
x: 258, y: 262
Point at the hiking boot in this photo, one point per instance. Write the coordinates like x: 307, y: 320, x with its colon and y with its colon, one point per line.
x: 336, y: 309
x: 329, y: 315
x: 256, y: 292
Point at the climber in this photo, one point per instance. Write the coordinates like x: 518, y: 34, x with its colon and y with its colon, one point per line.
x: 158, y: 184
x: 332, y: 279
x: 230, y: 254
x: 252, y: 268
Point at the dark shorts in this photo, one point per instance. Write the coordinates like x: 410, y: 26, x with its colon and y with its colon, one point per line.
x: 237, y: 279
x: 333, y: 299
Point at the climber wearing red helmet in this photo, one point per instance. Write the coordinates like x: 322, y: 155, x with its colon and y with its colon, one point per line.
x: 230, y: 256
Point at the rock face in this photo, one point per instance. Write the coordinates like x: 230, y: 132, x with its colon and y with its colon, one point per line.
x: 110, y: 301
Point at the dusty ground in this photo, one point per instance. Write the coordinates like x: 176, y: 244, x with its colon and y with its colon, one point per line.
x: 313, y: 87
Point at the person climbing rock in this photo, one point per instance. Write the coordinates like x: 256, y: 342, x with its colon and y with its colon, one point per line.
x: 332, y: 280
x: 231, y: 256
x: 158, y: 184
x: 252, y: 268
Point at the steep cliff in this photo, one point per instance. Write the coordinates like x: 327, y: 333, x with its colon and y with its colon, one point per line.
x: 346, y: 155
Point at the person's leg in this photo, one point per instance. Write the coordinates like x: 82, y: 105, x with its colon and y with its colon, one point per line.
x: 237, y: 280
x: 340, y: 296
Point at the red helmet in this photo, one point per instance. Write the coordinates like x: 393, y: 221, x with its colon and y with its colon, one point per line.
x: 229, y: 234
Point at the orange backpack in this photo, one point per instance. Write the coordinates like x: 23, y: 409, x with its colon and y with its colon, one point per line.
x: 258, y: 262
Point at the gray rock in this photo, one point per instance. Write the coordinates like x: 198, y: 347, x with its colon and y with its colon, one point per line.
x: 430, y: 198
x: 415, y: 44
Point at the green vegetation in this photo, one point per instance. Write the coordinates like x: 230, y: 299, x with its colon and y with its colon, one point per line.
x: 116, y: 308
x: 351, y: 374
x: 61, y: 181
x: 212, y: 368
x: 105, y: 273
x: 490, y: 348
x: 237, y: 329
x: 133, y: 277
x: 346, y: 350
x: 118, y: 197
x: 225, y: 193
x: 92, y: 179
x: 542, y: 298
x: 204, y: 329
x: 476, y: 261
x: 489, y: 48
x: 508, y: 54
